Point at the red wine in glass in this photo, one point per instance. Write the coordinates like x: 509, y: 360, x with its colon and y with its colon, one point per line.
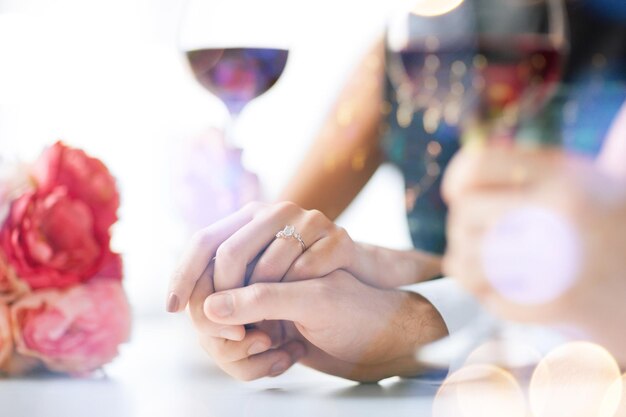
x: 237, y: 75
x: 489, y: 77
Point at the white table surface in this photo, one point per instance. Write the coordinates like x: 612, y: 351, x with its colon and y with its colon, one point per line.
x: 163, y: 372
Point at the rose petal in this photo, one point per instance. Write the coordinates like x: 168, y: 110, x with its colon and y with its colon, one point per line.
x: 52, y: 242
x: 85, y: 178
x: 74, y: 331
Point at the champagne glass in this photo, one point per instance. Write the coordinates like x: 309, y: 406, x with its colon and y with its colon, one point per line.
x: 236, y: 49
x: 484, y: 68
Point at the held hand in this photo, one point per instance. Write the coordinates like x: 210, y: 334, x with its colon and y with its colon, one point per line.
x: 248, y: 355
x: 539, y: 236
x: 247, y: 240
x: 246, y: 250
x: 349, y: 329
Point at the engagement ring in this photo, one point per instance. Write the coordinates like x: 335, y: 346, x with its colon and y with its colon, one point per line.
x: 290, y: 232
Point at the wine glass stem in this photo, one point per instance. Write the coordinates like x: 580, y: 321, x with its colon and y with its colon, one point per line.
x: 230, y: 131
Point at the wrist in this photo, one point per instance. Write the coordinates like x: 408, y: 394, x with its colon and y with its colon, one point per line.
x: 388, y: 268
x: 416, y: 323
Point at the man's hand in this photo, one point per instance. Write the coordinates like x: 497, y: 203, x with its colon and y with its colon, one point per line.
x: 334, y: 324
x: 245, y: 250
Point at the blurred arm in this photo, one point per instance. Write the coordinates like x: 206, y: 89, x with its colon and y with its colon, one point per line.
x: 613, y: 153
x: 346, y: 153
x: 342, y: 160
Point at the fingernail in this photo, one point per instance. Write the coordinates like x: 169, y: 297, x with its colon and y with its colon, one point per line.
x: 256, y: 348
x: 279, y: 367
x: 221, y: 305
x: 172, y: 303
x: 230, y: 334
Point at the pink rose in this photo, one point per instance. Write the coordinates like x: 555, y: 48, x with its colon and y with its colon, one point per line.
x: 74, y: 331
x: 83, y: 178
x: 52, y: 242
x: 6, y: 342
x: 10, y: 286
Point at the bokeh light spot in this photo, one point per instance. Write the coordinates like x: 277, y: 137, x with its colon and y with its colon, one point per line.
x: 480, y: 391
x: 614, y: 403
x: 573, y: 381
x: 531, y: 255
x: 435, y: 7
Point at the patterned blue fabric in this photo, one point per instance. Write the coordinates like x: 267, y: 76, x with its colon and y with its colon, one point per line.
x: 407, y: 148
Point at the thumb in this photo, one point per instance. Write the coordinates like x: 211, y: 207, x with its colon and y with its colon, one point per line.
x: 292, y: 301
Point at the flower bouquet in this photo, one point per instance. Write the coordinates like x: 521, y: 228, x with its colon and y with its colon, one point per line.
x: 62, y: 305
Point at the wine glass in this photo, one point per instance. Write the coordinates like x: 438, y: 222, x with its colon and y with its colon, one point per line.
x: 236, y: 49
x: 484, y: 68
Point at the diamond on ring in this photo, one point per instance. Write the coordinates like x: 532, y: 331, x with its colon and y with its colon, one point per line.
x: 290, y: 232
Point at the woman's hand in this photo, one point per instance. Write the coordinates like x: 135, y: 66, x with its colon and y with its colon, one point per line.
x: 335, y: 324
x: 539, y: 236
x: 246, y: 250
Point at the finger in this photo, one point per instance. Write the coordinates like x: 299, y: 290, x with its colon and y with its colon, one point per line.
x: 234, y: 255
x: 222, y: 350
x: 202, y: 289
x: 202, y: 249
x: 293, y: 301
x: 275, y: 261
x: 329, y: 254
x: 270, y: 363
x: 280, y: 255
x: 496, y: 167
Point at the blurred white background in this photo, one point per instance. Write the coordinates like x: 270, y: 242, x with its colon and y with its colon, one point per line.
x: 107, y: 76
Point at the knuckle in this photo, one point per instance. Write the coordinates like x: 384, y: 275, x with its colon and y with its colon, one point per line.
x: 285, y: 207
x: 343, y: 236
x: 315, y: 215
x: 202, y: 238
x: 260, y: 293
x: 317, y: 220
